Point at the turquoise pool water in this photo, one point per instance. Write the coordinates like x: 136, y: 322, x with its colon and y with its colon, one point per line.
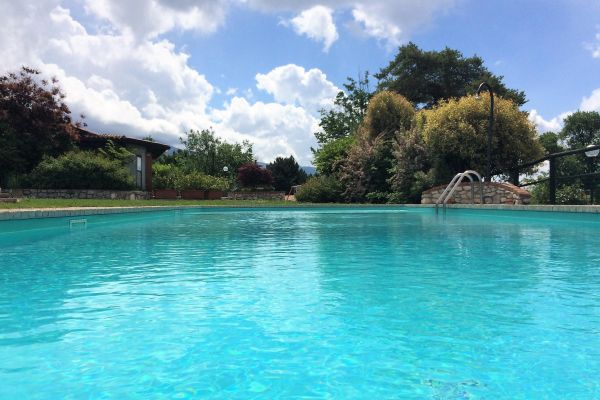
x: 318, y: 303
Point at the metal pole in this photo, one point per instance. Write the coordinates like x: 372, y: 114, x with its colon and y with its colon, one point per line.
x: 488, y: 171
x: 552, y: 182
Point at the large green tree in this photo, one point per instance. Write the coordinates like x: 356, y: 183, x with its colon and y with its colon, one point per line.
x: 34, y: 122
x: 581, y: 128
x: 350, y: 106
x: 286, y: 173
x: 426, y: 77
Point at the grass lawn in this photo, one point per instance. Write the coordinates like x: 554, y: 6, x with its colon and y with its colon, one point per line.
x: 66, y: 203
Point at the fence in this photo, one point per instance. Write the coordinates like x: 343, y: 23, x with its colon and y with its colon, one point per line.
x: 554, y: 177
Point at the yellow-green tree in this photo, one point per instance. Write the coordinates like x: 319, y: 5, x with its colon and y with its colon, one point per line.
x: 455, y: 134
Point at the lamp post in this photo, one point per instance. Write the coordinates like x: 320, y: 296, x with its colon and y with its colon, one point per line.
x: 591, y: 154
x: 488, y: 171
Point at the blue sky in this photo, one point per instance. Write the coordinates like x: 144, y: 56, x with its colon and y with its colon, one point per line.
x: 261, y: 69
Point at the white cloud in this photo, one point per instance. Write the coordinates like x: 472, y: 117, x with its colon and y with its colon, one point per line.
x: 391, y: 21
x: 275, y: 129
x: 150, y: 18
x: 542, y: 125
x: 317, y: 24
x: 594, y: 47
x: 292, y: 84
x: 591, y: 103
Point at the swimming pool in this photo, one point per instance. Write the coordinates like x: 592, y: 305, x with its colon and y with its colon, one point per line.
x: 309, y: 303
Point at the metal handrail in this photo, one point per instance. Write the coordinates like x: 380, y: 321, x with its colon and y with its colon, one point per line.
x: 454, y: 183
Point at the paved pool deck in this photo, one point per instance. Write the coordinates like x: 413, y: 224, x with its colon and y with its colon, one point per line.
x: 17, y: 214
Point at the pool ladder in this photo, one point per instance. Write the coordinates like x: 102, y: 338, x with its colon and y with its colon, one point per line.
x: 454, y: 183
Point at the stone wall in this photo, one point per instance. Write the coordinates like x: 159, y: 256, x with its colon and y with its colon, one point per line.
x: 241, y: 195
x: 80, y: 194
x: 493, y: 193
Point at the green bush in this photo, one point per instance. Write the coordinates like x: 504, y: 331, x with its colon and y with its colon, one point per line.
x: 170, y: 176
x: 80, y: 170
x: 320, y: 189
x: 197, y: 180
x: 166, y: 176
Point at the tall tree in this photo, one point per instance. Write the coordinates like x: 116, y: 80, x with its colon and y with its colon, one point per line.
x: 286, y: 173
x: 350, y: 106
x: 426, y: 77
x: 34, y: 121
x: 205, y: 152
x: 581, y: 128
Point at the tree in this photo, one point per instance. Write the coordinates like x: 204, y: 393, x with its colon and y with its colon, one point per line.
x: 348, y: 112
x: 368, y: 166
x: 251, y: 175
x: 581, y: 128
x: 34, y: 122
x: 549, y: 141
x: 286, y: 173
x: 329, y: 158
x: 427, y: 77
x: 455, y: 133
x: 205, y: 152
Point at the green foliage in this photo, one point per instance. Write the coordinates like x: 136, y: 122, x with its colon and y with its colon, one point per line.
x: 366, y: 169
x: 286, y: 173
x: 166, y: 176
x: 387, y: 114
x: 428, y: 77
x: 329, y: 157
x: 170, y: 176
x: 347, y: 114
x: 571, y: 194
x: 34, y: 122
x: 320, y: 189
x: 581, y: 128
x: 206, y: 153
x: 549, y: 141
x: 117, y: 153
x: 80, y: 170
x: 197, y: 180
x: 455, y: 134
x: 408, y: 178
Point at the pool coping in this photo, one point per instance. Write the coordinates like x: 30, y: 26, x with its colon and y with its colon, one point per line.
x: 20, y: 213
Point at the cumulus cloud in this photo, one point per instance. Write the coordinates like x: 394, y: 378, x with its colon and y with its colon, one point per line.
x: 317, y: 24
x: 591, y: 103
x: 292, y: 84
x: 276, y: 129
x: 391, y: 21
x: 150, y: 18
x: 542, y: 125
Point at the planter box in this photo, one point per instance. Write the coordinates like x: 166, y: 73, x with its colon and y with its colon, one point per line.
x: 214, y: 194
x: 193, y: 194
x: 165, y: 194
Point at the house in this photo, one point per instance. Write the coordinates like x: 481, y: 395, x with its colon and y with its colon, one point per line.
x: 145, y: 153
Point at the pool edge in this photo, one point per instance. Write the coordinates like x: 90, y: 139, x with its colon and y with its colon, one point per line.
x: 17, y: 214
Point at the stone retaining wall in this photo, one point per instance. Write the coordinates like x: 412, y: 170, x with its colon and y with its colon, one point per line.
x: 493, y: 193
x: 80, y: 194
x: 256, y: 195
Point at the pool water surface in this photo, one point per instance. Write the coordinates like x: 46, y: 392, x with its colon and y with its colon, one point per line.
x: 365, y: 303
